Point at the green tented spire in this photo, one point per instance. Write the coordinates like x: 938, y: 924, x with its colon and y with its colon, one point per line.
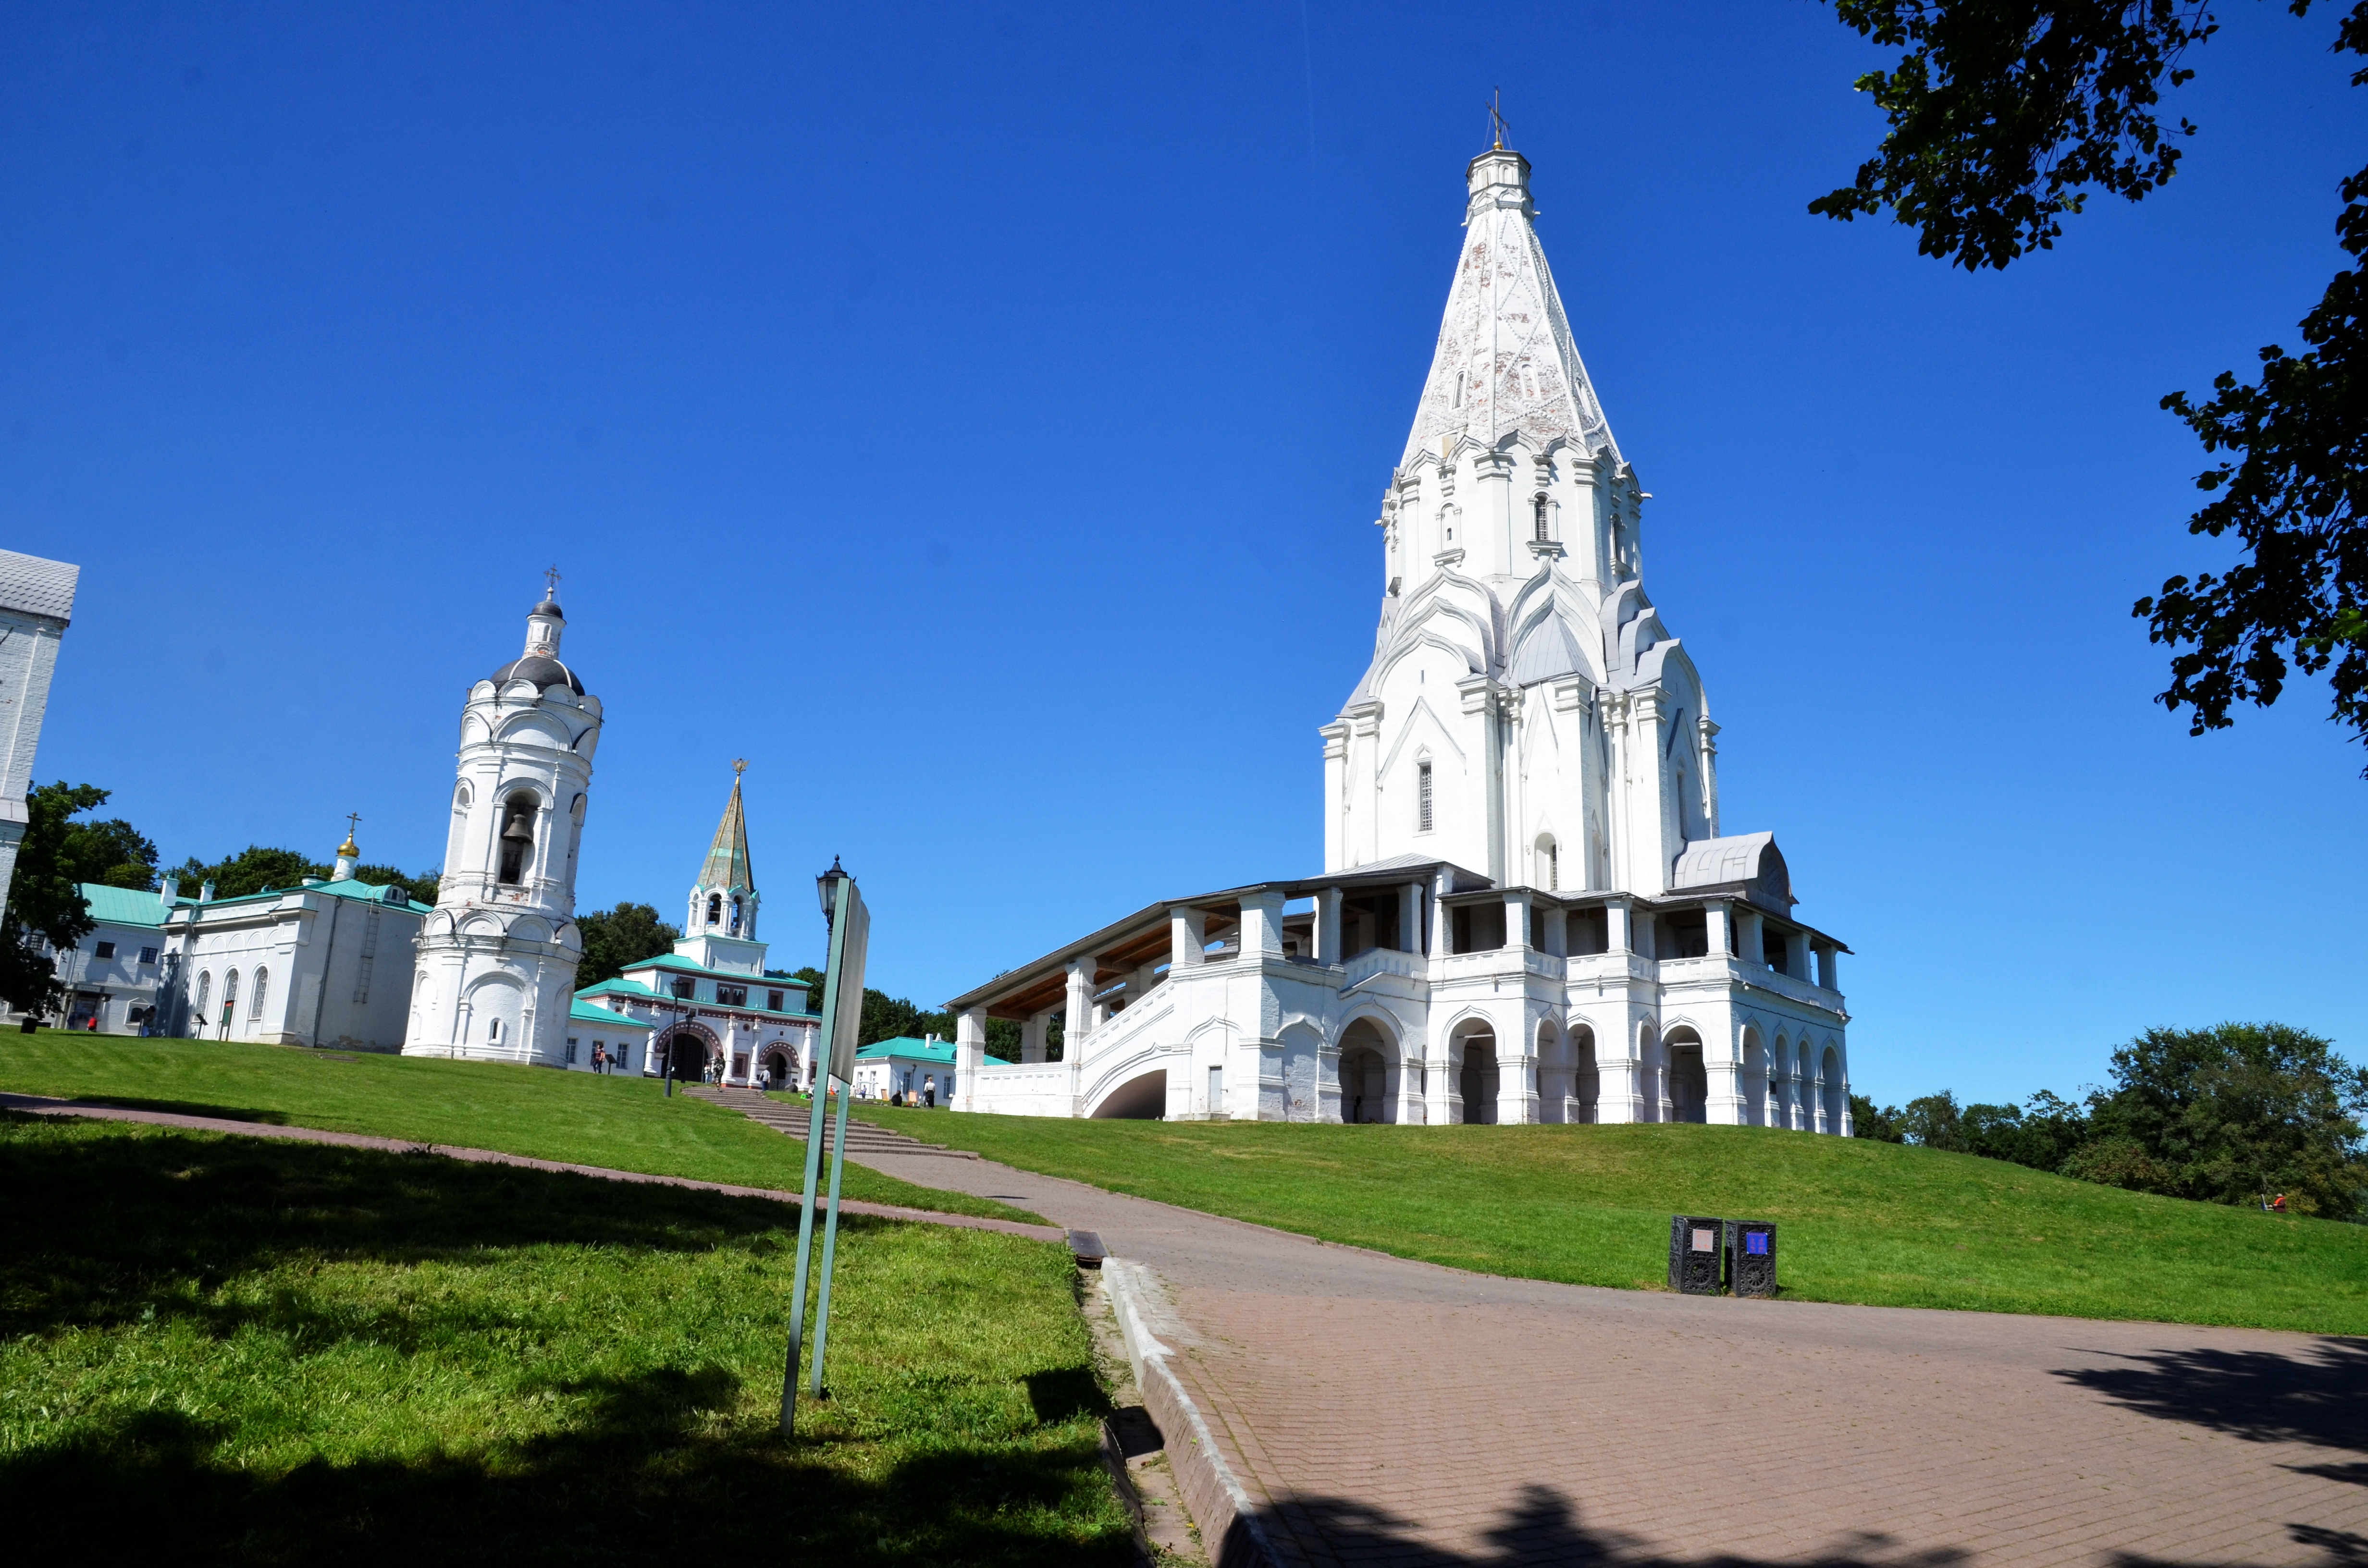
x: 727, y: 858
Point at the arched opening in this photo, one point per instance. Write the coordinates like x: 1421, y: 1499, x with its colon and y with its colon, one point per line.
x: 1688, y: 1094
x: 1364, y: 1074
x: 205, y: 984
x: 1546, y: 869
x: 734, y: 928
x: 1588, y: 1086
x: 229, y: 1001
x: 715, y: 909
x: 1831, y: 1074
x: 1137, y: 1099
x: 685, y: 1054
x: 517, y: 837
x: 1476, y: 1079
x: 261, y: 988
x: 1652, y: 1083
x: 778, y: 1067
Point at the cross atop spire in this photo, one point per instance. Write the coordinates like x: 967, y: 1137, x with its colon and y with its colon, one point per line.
x: 1496, y: 118
x: 551, y: 582
x: 353, y: 822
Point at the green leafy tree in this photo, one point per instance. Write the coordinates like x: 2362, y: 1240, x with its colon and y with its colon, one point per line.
x: 421, y: 888
x: 2003, y: 115
x: 2042, y: 1133
x: 112, y: 852
x: 615, y: 937
x: 252, y: 870
x: 45, y: 912
x: 1881, y: 1126
x: 1934, y: 1121
x: 2231, y: 1115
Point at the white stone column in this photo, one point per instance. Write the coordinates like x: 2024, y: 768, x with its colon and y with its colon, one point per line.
x: 1715, y: 917
x: 1796, y: 955
x: 1410, y: 918
x: 1708, y: 734
x: 1077, y: 1020
x: 1829, y: 968
x: 1328, y: 925
x: 1517, y: 920
x: 1748, y: 943
x: 1616, y: 936
x: 1031, y: 1036
x: 1557, y: 932
x: 1619, y: 1093
x: 1262, y: 925
x: 1336, y: 796
x: 1188, y: 937
x: 1516, y: 1071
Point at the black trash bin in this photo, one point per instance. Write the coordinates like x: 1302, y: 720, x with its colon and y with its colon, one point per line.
x: 1697, y: 1249
x: 1751, y: 1256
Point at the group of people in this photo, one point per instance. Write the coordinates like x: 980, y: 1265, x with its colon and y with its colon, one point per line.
x: 924, y: 1097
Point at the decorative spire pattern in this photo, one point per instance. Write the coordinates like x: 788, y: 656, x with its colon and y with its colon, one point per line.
x: 1505, y: 360
x: 727, y: 857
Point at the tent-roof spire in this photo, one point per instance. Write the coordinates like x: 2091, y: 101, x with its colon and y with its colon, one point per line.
x: 727, y: 857
x: 1505, y: 360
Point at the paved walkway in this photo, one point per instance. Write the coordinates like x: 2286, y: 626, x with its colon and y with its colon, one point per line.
x: 1379, y: 1411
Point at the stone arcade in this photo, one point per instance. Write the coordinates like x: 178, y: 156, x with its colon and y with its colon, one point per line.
x: 1528, y: 912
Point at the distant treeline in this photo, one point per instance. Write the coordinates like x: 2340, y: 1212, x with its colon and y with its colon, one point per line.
x: 2238, y: 1114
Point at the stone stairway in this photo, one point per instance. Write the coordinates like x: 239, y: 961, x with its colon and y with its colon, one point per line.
x: 862, y: 1137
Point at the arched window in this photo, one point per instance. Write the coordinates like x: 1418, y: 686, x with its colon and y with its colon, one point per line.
x: 493, y: 1031
x: 230, y: 997
x: 1549, y: 867
x: 262, y: 984
x: 736, y: 915
x: 205, y: 985
x: 1422, y: 797
x: 715, y: 909
x: 518, y: 836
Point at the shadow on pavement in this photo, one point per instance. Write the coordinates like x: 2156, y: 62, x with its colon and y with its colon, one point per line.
x: 2318, y: 1397
x: 1544, y: 1529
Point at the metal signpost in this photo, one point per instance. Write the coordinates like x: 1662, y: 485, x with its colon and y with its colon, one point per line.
x: 842, y: 1015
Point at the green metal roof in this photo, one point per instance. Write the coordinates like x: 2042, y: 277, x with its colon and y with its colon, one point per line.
x: 616, y: 987
x: 123, y: 906
x: 585, y: 1013
x: 361, y: 893
x: 676, y: 963
x: 905, y: 1048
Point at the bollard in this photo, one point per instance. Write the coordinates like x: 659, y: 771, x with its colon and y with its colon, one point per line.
x: 1697, y: 1249
x: 1751, y: 1256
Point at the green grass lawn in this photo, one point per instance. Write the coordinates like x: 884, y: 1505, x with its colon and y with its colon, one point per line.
x: 1857, y: 1221
x: 582, y: 1117
x: 246, y: 1350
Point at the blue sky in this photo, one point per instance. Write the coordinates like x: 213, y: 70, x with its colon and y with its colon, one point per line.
x: 975, y: 420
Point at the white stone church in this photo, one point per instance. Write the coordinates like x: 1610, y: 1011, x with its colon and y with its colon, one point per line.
x: 1528, y: 912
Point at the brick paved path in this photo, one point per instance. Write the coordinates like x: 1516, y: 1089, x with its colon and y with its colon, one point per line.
x: 1379, y: 1411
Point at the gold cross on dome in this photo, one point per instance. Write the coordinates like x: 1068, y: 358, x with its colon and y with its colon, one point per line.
x: 1496, y: 119
x: 551, y: 575
x: 353, y: 820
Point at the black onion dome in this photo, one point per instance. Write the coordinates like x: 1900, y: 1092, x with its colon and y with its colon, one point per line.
x: 540, y: 668
x: 549, y: 606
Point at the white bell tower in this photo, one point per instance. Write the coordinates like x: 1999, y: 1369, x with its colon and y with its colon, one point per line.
x: 498, y: 959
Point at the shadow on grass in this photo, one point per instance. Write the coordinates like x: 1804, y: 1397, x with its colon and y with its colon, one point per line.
x: 108, y: 1226
x: 1544, y: 1528
x: 642, y: 1477
x: 2318, y: 1396
x: 107, y: 1229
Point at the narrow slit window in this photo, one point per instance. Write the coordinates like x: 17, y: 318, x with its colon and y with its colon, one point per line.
x: 1540, y: 508
x: 1422, y: 797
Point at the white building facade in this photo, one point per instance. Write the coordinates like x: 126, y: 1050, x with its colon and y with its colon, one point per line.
x: 496, y: 960
x: 36, y: 605
x: 1529, y: 911
x: 112, y: 975
x: 323, y: 964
